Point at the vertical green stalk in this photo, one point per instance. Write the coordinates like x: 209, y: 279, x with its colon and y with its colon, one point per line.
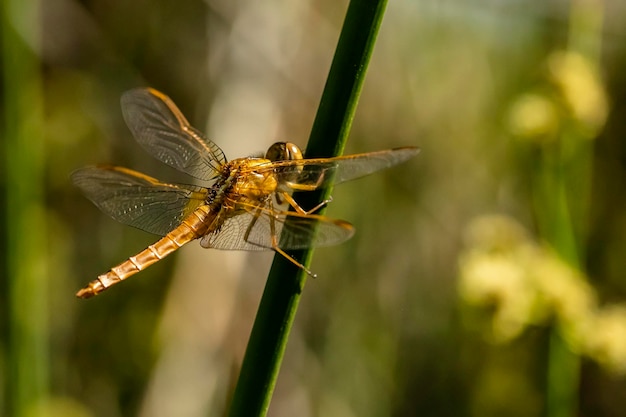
x: 22, y: 141
x: 285, y: 282
x: 565, y: 200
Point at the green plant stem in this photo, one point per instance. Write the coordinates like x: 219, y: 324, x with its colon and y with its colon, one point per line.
x: 22, y: 153
x: 285, y: 282
x: 566, y: 199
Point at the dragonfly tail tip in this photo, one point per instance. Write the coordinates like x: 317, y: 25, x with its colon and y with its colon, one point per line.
x: 94, y: 288
x: 85, y: 293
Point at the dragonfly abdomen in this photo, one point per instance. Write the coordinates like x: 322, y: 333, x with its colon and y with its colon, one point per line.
x: 195, y: 225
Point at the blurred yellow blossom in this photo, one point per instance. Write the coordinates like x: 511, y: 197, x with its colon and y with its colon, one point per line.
x: 523, y: 283
x: 494, y: 274
x: 564, y: 292
x: 581, y: 88
x: 574, y: 94
x: 604, y: 338
x: 495, y: 233
x: 496, y: 280
x: 534, y: 117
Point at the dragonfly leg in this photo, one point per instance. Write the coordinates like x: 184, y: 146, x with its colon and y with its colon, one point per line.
x: 306, y: 187
x: 275, y: 246
x: 293, y: 261
x: 277, y: 249
x: 246, y: 235
x: 299, y: 209
x: 320, y: 205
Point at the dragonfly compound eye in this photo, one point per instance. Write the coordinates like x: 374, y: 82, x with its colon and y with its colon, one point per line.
x: 283, y: 151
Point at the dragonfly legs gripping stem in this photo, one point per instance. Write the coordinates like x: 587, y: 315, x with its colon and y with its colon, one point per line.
x: 299, y: 209
x: 274, y: 245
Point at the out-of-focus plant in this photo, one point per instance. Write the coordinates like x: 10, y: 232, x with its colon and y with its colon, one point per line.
x: 561, y: 180
x: 528, y: 283
x: 524, y: 284
x: 574, y: 99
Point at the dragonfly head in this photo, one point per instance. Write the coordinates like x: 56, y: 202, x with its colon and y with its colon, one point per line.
x: 283, y: 151
x: 286, y: 151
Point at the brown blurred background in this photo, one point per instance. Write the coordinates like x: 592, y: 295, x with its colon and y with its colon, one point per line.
x: 486, y: 277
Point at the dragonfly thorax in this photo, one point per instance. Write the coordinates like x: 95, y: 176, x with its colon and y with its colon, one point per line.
x: 250, y: 183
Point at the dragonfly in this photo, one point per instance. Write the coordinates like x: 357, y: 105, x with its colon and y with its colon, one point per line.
x: 248, y: 203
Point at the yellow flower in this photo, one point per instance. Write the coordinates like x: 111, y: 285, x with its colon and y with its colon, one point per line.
x: 605, y: 338
x: 525, y: 284
x: 582, y: 89
x: 562, y: 287
x: 497, y: 281
x: 495, y: 233
x: 534, y: 117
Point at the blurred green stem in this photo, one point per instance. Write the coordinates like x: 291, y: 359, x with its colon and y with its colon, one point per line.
x: 562, y: 208
x: 27, y: 350
x: 563, y: 204
x: 285, y: 282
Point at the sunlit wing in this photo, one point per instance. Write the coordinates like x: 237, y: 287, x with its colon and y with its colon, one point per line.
x: 324, y: 171
x: 294, y: 231
x: 160, y: 127
x: 136, y: 199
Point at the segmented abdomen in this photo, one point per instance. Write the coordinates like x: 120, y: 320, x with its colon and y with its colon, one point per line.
x: 196, y: 225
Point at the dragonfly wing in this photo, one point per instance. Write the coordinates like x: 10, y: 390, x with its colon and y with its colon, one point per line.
x: 254, y: 229
x: 160, y: 127
x: 136, y: 199
x: 320, y: 172
x: 350, y: 167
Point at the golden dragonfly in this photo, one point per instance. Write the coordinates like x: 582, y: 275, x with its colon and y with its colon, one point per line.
x: 246, y: 207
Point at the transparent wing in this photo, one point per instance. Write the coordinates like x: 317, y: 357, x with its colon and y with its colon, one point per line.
x: 315, y: 173
x: 253, y: 230
x: 136, y: 199
x: 160, y: 127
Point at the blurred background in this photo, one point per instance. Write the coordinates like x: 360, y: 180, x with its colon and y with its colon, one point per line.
x: 486, y: 277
